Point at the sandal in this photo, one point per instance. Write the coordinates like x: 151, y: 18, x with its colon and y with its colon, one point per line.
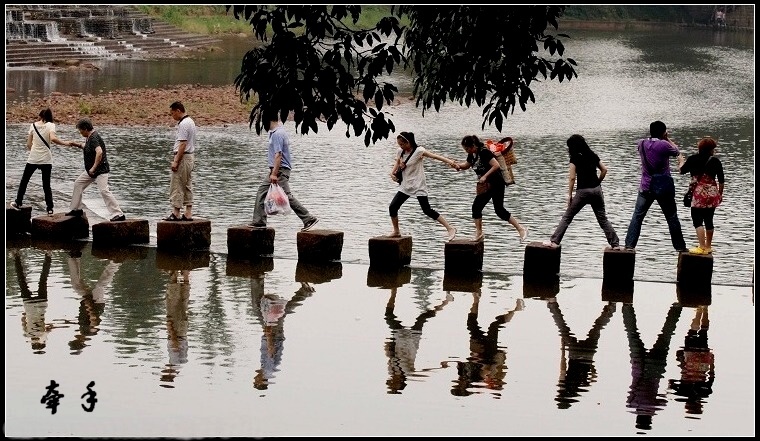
x: 451, y: 236
x: 185, y: 218
x: 171, y: 217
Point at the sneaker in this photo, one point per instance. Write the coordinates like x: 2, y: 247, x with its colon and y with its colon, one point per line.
x: 452, y: 235
x: 550, y: 244
x: 15, y: 206
x: 185, y: 218
x: 308, y: 225
x: 252, y: 225
x: 75, y: 213
x: 171, y: 217
x: 627, y: 248
x: 118, y: 218
x: 50, y: 212
x: 698, y: 250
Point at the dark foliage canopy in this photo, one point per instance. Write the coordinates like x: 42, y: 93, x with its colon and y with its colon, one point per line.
x: 315, y: 62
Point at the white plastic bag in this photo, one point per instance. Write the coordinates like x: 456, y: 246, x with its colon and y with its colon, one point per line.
x: 276, y: 201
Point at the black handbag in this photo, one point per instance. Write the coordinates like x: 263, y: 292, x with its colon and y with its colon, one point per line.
x: 399, y: 171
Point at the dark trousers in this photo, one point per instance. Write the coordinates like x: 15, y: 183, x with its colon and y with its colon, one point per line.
x: 29, y: 169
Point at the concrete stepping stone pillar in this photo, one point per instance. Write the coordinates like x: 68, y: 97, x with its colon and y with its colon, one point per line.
x: 390, y: 252
x: 60, y: 227
x: 694, y: 270
x: 462, y: 256
x: 106, y: 234
x: 245, y: 242
x: 18, y: 222
x: 618, y: 265
x: 183, y: 235
x: 541, y: 262
x: 319, y: 245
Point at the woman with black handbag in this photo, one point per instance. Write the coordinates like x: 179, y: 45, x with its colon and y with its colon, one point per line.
x: 41, y: 134
x: 409, y: 172
x: 707, y: 174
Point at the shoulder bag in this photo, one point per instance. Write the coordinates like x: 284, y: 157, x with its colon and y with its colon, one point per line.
x: 399, y: 171
x: 38, y: 134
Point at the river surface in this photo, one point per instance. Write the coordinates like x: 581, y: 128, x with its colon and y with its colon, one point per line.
x: 357, y: 361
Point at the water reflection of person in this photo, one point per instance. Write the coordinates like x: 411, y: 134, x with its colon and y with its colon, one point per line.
x: 577, y: 371
x: 177, y: 299
x: 35, y: 306
x: 486, y: 364
x: 697, y: 363
x: 401, y: 348
x: 270, y: 309
x: 648, y: 366
x: 93, y: 302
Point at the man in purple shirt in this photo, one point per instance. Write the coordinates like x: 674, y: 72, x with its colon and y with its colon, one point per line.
x: 655, y: 153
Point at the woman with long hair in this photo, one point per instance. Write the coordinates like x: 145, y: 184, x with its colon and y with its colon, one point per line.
x: 583, y: 165
x: 41, y: 134
x: 409, y: 159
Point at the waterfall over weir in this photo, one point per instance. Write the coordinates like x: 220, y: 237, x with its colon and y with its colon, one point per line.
x: 58, y: 34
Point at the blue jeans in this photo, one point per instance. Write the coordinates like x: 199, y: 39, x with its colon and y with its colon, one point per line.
x: 668, y: 205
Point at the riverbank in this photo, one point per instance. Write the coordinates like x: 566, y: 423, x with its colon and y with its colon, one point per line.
x: 144, y: 107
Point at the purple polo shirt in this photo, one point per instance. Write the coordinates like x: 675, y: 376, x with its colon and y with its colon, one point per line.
x: 658, y: 153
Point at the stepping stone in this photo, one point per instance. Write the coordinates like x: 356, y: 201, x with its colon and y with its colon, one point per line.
x: 130, y: 231
x: 694, y: 270
x: 18, y: 222
x: 183, y: 235
x: 319, y: 245
x: 244, y: 241
x: 618, y: 265
x: 390, y: 252
x: 541, y: 262
x: 60, y: 227
x: 462, y: 256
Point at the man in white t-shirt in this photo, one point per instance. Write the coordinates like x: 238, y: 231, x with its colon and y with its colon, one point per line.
x: 183, y: 162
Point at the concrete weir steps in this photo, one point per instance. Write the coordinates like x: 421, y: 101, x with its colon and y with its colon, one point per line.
x: 60, y: 34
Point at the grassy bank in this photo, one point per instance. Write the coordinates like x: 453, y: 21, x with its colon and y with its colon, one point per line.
x: 214, y: 20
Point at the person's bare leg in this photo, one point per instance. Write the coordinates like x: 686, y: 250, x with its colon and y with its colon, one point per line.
x: 708, y: 239
x: 701, y: 237
x: 522, y: 231
x: 189, y: 211
x: 396, y: 232
x: 478, y: 229
x: 451, y: 231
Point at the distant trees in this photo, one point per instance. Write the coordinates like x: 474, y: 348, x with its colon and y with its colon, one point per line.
x: 316, y: 63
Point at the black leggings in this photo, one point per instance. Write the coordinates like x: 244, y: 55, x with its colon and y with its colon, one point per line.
x: 28, y: 172
x: 703, y: 215
x: 399, y: 200
x: 496, y: 193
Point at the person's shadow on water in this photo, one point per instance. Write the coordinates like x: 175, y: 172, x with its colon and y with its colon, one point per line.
x: 33, y: 319
x: 577, y: 371
x: 648, y: 366
x: 402, y: 346
x: 270, y: 310
x: 486, y: 365
x: 697, y: 363
x: 177, y: 301
x: 92, y: 303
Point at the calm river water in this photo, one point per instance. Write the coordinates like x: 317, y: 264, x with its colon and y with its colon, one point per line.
x: 203, y: 353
